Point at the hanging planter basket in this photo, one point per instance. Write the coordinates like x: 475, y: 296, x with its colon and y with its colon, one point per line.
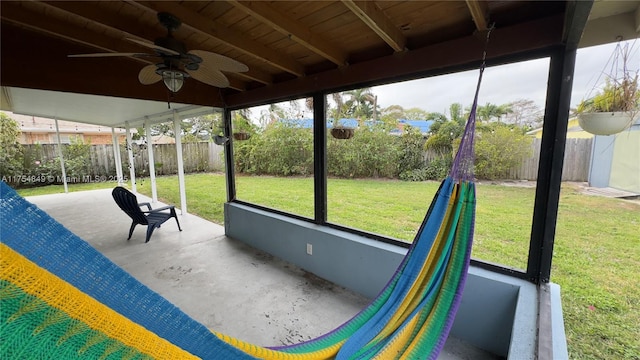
x: 605, y: 123
x: 240, y: 136
x: 342, y: 132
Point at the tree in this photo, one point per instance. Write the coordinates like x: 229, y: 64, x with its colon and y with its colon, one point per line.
x: 201, y: 127
x: 443, y: 133
x: 10, y: 149
x: 362, y: 104
x: 455, y: 113
x: 491, y: 111
x: 499, y: 148
x: 416, y: 114
x: 524, y: 113
x: 340, y: 109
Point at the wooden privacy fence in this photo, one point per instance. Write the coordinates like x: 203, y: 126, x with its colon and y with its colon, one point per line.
x: 206, y: 157
x: 197, y: 157
x: 577, y: 155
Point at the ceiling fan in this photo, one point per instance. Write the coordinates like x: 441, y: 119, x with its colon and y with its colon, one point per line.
x: 177, y: 63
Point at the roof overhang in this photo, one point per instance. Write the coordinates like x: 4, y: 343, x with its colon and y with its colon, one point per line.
x: 95, y: 109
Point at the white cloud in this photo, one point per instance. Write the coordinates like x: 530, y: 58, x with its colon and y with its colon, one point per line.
x: 500, y: 84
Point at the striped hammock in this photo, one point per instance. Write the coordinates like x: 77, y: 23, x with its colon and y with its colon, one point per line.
x: 61, y: 299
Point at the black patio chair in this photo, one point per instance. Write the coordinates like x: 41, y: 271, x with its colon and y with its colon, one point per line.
x: 153, y: 218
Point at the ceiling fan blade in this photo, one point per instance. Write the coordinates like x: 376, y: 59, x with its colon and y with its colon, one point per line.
x: 220, y: 62
x: 209, y: 76
x: 107, y: 54
x: 153, y: 46
x: 148, y: 75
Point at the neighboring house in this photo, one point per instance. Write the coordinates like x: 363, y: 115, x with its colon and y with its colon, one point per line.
x: 38, y: 130
x: 615, y: 160
x: 308, y: 123
x: 574, y: 131
x: 422, y: 125
x: 163, y: 139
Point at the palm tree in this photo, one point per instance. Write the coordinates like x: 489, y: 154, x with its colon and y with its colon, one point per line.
x: 363, y: 104
x: 492, y: 111
x: 455, y: 113
x: 341, y: 108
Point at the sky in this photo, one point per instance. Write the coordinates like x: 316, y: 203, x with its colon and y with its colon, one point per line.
x: 500, y: 84
x: 503, y: 84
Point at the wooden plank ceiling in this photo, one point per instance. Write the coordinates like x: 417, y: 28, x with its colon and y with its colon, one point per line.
x: 290, y: 47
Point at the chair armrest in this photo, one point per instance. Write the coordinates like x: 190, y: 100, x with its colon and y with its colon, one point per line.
x: 169, y: 207
x: 145, y: 204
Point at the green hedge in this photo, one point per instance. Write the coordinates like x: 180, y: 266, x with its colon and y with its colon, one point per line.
x: 283, y: 149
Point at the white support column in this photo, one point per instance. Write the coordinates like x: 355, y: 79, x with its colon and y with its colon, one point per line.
x: 116, y: 156
x: 64, y: 172
x: 152, y: 167
x: 132, y: 167
x: 177, y: 130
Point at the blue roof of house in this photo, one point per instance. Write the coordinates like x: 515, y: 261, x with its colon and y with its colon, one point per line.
x: 308, y: 123
x: 422, y: 125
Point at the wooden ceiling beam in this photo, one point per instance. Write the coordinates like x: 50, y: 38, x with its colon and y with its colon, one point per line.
x: 205, y: 26
x: 371, y: 15
x: 480, y: 13
x: 98, y: 15
x: 14, y: 13
x: 45, y: 66
x: 455, y: 54
x: 294, y: 29
x: 90, y: 12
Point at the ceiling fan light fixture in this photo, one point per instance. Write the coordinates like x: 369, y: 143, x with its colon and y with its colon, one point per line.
x: 173, y: 79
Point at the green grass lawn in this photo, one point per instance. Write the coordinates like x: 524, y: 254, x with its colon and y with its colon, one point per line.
x: 596, y: 254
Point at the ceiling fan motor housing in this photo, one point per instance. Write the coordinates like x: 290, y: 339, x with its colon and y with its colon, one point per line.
x: 172, y: 44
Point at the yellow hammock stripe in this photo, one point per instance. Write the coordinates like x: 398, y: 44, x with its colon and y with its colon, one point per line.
x: 412, y: 299
x: 407, y: 339
x: 59, y: 294
x: 268, y: 354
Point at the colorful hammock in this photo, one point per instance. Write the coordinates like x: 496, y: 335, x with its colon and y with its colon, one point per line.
x: 60, y: 298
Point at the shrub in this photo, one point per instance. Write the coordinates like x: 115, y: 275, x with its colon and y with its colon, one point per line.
x: 10, y: 149
x: 370, y: 153
x: 436, y: 169
x: 499, y: 148
x: 283, y: 149
x: 411, y: 155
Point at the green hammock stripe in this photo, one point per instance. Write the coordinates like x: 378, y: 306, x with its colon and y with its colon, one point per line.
x: 355, y: 323
x: 453, y: 276
x: 457, y: 239
x: 31, y: 329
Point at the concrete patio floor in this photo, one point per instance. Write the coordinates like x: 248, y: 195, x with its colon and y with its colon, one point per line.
x: 224, y: 284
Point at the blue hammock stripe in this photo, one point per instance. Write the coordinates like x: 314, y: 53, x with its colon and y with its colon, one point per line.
x: 34, y: 234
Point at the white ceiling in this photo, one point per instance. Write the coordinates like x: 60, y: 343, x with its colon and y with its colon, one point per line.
x: 94, y: 109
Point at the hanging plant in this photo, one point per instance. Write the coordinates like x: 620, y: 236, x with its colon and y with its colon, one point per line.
x: 240, y: 136
x: 616, y: 106
x: 242, y: 127
x: 339, y: 131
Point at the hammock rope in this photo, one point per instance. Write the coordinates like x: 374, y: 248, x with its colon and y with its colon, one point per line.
x: 61, y: 298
